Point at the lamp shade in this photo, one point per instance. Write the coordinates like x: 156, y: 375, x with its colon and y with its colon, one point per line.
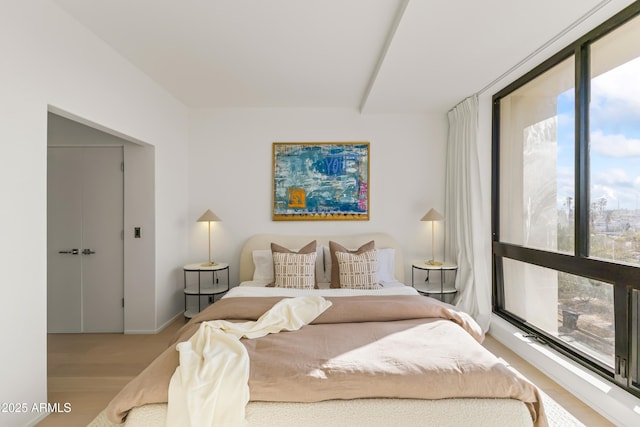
x: 432, y: 215
x: 208, y: 216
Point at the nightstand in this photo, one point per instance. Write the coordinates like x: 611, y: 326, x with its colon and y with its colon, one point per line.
x: 428, y: 287
x: 204, y: 281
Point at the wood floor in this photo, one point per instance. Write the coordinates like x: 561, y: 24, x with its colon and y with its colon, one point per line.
x: 87, y: 370
x: 568, y: 401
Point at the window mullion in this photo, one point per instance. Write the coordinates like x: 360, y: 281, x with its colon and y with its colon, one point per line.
x: 582, y: 204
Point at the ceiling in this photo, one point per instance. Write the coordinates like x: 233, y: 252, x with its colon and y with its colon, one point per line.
x: 387, y: 56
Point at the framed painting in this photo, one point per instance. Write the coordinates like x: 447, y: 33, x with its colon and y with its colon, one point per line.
x: 320, y: 181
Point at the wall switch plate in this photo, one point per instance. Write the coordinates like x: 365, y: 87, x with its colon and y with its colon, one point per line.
x: 136, y: 233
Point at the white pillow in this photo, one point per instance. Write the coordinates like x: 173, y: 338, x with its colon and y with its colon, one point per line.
x: 386, y: 264
x: 263, y: 263
x: 294, y: 270
x: 320, y: 275
x: 327, y: 262
x: 324, y: 259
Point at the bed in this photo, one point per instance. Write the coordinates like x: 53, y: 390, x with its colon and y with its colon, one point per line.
x: 376, y: 354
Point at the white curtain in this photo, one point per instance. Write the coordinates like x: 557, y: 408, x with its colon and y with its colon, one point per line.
x: 468, y: 239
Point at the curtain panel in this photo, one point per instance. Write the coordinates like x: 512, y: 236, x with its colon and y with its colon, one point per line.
x: 469, y: 242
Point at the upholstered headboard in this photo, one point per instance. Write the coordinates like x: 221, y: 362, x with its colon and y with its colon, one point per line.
x: 263, y: 241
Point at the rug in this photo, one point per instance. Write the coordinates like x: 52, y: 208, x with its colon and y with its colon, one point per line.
x: 557, y: 416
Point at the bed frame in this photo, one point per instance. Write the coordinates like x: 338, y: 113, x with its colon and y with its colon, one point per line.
x: 369, y: 412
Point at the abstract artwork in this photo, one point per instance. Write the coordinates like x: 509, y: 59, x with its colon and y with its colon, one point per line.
x: 320, y: 181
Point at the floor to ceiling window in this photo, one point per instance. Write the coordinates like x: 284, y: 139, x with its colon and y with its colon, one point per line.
x: 566, y: 200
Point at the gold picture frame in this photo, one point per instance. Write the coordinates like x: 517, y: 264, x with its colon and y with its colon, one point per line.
x: 320, y: 181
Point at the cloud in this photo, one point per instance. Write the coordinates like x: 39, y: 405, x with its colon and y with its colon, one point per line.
x: 617, y: 177
x: 615, y: 99
x: 616, y: 185
x: 566, y: 179
x: 618, y: 85
x: 566, y: 119
x: 616, y: 145
x: 614, y: 138
x: 565, y: 185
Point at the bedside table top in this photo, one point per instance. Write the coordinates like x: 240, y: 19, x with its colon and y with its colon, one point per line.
x: 201, y: 266
x: 422, y: 265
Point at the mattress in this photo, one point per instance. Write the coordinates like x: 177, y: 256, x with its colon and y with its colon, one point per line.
x: 360, y: 412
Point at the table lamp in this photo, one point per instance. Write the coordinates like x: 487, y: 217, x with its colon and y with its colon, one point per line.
x: 209, y: 217
x: 433, y: 215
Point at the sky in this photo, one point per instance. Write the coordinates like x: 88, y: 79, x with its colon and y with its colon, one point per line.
x: 614, y: 138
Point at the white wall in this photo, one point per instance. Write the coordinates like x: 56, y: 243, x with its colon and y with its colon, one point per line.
x: 49, y: 60
x: 230, y: 172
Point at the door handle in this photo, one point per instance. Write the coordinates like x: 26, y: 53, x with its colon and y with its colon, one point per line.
x: 70, y: 252
x: 88, y: 252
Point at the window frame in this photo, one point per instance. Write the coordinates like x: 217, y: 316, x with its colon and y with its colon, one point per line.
x: 624, y: 278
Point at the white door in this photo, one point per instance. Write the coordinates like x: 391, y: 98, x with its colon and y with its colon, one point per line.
x: 85, y: 211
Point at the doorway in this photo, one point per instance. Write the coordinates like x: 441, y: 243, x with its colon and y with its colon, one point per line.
x: 85, y: 246
x: 67, y: 130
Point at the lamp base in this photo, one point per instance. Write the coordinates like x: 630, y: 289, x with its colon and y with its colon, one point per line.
x: 433, y: 262
x: 208, y: 264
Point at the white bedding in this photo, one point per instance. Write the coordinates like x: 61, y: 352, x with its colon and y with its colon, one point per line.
x: 258, y: 289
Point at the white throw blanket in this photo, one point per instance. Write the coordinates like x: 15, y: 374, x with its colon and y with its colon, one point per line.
x: 210, y: 386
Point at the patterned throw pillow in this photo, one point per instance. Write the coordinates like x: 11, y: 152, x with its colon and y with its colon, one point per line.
x: 335, y: 269
x: 294, y: 270
x: 306, y: 249
x: 358, y: 271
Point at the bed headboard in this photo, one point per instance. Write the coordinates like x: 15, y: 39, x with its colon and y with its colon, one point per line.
x: 263, y: 241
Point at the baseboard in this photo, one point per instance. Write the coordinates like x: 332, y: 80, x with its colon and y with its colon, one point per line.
x: 170, y: 321
x: 157, y: 330
x: 611, y: 401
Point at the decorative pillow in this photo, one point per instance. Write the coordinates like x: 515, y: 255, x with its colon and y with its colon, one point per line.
x: 294, y: 270
x: 306, y: 249
x: 358, y: 271
x: 335, y: 268
x: 263, y: 266
x: 386, y: 264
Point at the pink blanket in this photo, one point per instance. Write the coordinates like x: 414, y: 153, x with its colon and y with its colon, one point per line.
x: 362, y: 346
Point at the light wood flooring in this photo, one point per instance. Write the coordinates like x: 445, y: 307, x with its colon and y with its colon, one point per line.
x: 87, y: 370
